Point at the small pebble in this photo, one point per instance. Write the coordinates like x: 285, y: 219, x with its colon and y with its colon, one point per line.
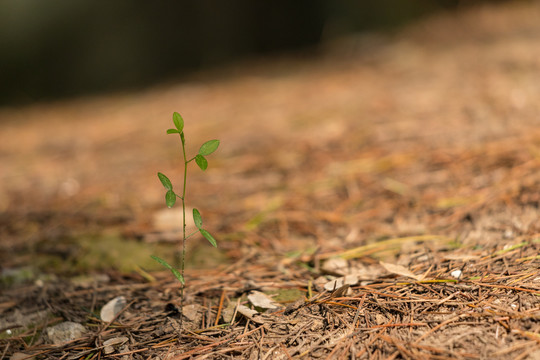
x: 112, y: 308
x: 65, y: 332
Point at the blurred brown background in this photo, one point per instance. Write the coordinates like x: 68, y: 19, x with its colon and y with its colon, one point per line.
x: 64, y: 48
x: 341, y: 123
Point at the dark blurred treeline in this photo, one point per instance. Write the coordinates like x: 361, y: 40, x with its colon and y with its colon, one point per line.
x: 63, y: 48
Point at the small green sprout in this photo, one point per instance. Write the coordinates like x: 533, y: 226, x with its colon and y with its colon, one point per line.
x: 170, y: 196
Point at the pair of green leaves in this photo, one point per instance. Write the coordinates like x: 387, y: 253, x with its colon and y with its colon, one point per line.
x: 170, y: 195
x: 198, y: 223
x: 170, y: 199
x: 178, y: 123
x: 206, y: 149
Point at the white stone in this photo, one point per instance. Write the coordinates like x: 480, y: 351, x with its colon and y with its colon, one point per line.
x: 65, y: 332
x: 112, y: 308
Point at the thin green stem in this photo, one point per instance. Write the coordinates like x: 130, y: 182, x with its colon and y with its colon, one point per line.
x: 183, y: 229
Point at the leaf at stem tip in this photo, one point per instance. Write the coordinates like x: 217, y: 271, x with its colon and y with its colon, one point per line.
x: 173, y: 131
x: 170, y: 198
x: 208, y: 237
x: 197, y: 219
x: 174, y: 271
x: 201, y: 161
x: 165, y: 181
x: 178, y: 121
x: 209, y: 147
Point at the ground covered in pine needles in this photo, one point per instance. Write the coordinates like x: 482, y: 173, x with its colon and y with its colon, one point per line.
x: 380, y: 200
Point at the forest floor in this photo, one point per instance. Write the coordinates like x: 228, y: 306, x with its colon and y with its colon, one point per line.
x: 384, y: 193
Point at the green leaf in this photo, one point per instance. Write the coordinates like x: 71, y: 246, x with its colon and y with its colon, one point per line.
x: 201, y: 161
x: 178, y: 121
x: 208, y: 237
x: 165, y: 181
x: 173, y: 131
x: 170, y: 198
x: 175, y: 272
x: 209, y: 147
x: 197, y: 218
x: 182, y: 138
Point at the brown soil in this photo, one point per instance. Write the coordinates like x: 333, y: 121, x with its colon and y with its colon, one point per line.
x: 420, y: 150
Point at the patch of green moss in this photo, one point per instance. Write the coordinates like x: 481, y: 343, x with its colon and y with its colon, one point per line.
x: 97, y: 252
x: 289, y: 295
x: 201, y: 255
x: 90, y: 253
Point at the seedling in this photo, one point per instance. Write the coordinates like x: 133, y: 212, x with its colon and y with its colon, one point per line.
x: 170, y: 197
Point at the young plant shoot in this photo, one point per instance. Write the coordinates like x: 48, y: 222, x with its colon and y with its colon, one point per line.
x: 170, y: 196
